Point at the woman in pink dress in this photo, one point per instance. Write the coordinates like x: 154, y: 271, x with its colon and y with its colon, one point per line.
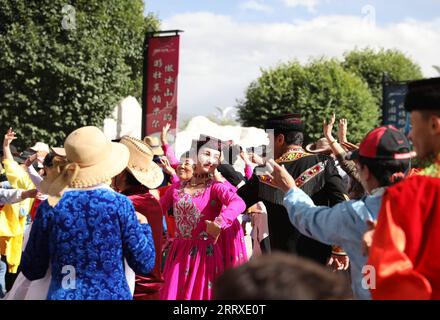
x: 202, y: 208
x: 235, y: 254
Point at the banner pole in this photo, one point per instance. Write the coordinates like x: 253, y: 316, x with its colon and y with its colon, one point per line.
x: 148, y: 36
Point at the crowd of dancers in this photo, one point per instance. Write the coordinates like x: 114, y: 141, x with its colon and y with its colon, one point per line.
x: 126, y: 219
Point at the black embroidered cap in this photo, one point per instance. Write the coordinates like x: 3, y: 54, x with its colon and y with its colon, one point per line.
x: 423, y: 95
x: 288, y: 122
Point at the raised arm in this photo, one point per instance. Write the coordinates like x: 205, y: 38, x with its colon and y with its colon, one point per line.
x: 9, y: 137
x: 33, y: 174
x: 166, y: 147
x: 334, y: 145
x: 348, y: 166
x: 325, y: 224
x: 248, y: 168
x: 342, y: 130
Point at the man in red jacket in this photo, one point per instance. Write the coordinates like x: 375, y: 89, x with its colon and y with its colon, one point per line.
x: 406, y: 242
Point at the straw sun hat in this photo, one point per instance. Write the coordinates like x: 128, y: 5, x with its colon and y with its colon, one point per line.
x: 90, y: 159
x: 98, y: 159
x: 141, y: 164
x: 154, y: 143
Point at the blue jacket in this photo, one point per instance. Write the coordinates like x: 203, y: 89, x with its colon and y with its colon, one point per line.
x: 85, y: 238
x: 343, y: 225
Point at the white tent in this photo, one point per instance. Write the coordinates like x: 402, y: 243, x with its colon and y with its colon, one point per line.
x: 126, y: 120
x: 243, y: 136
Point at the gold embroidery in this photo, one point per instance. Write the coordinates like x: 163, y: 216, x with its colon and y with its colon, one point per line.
x: 292, y: 155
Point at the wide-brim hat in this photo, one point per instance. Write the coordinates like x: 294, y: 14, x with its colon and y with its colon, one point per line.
x: 140, y: 163
x: 319, y: 147
x: 154, y: 143
x: 98, y: 158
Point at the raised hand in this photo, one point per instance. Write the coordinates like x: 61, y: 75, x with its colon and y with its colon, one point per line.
x: 255, y: 158
x: 30, y: 160
x: 166, y: 166
x: 9, y: 137
x: 164, y: 134
x: 342, y: 130
x: 328, y: 127
x: 244, y: 155
x: 281, y: 178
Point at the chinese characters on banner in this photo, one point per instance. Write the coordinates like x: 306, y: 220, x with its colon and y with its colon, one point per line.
x: 393, y: 106
x: 162, y: 72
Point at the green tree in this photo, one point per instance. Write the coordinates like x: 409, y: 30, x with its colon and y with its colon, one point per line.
x: 66, y: 67
x: 371, y: 65
x: 315, y: 90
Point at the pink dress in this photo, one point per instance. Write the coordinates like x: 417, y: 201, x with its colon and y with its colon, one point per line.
x: 193, y: 260
x: 232, y: 240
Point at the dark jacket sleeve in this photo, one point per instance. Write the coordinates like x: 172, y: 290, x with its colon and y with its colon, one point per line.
x: 349, y: 167
x: 249, y: 192
x: 35, y: 258
x: 334, y: 186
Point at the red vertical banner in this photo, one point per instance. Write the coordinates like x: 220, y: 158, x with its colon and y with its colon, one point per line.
x: 162, y: 74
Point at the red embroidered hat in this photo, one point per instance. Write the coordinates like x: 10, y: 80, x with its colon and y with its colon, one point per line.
x: 383, y: 143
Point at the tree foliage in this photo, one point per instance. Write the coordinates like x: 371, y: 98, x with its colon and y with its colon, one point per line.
x: 315, y: 90
x: 56, y: 79
x: 371, y: 65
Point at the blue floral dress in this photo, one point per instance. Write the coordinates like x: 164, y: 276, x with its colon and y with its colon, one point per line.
x: 85, y: 238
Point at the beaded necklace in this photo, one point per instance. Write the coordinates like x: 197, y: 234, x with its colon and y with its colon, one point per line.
x: 198, y: 192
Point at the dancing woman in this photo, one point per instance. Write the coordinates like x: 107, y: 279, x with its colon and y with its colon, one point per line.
x: 202, y: 208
